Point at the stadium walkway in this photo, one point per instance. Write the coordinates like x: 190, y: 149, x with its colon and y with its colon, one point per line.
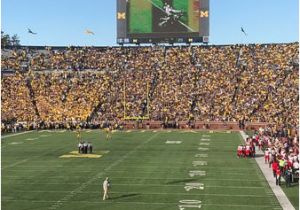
x: 280, y: 195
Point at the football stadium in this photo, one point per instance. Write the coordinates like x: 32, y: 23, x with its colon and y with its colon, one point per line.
x: 161, y: 120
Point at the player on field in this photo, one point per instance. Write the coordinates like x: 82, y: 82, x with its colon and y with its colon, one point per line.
x: 80, y: 145
x: 108, y: 131
x: 106, y: 186
x: 78, y: 134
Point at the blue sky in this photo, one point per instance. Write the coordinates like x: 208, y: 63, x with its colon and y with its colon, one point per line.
x: 63, y: 22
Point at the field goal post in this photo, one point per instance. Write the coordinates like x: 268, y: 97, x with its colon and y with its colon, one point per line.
x: 147, y: 117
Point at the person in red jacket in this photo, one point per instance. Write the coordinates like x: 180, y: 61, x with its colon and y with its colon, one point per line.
x: 275, y: 166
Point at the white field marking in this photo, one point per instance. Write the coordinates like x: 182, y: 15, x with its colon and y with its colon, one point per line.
x: 184, y: 206
x: 154, y: 131
x: 128, y: 131
x: 169, y: 131
x: 84, y: 185
x: 153, y: 185
x: 199, y: 163
x: 16, y: 143
x: 173, y: 142
x: 143, y: 131
x: 219, y: 169
x: 190, y: 201
x: 123, y: 184
x: 192, y: 131
x: 88, y: 131
x: 31, y: 157
x: 193, y: 185
x: 211, y: 131
x: 131, y: 203
x: 31, y: 139
x: 145, y: 193
x: 201, y: 155
x: 204, y: 144
x: 53, y: 131
x: 203, y: 148
x: 204, y: 139
x: 197, y: 173
x: 192, y: 174
x: 207, y: 136
x: 44, y: 135
x: 43, y: 131
x: 189, y: 204
x: 140, y: 172
x: 16, y: 134
x: 14, y: 164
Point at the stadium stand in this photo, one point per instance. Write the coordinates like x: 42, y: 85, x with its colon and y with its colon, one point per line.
x: 57, y: 87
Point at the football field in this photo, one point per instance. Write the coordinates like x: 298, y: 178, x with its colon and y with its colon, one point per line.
x: 148, y: 170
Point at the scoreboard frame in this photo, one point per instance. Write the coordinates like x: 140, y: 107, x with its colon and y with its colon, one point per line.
x: 124, y: 37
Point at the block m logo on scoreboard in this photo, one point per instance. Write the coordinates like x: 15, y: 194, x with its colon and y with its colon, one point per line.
x: 121, y: 15
x: 204, y: 14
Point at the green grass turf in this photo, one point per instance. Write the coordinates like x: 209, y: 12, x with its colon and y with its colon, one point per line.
x: 146, y: 173
x: 140, y: 19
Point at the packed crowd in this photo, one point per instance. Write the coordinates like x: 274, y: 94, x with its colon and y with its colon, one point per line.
x: 208, y: 83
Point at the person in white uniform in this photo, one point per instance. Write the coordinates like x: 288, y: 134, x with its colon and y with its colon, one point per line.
x: 106, y: 185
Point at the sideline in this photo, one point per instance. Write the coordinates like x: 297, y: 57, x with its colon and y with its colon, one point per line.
x: 280, y: 195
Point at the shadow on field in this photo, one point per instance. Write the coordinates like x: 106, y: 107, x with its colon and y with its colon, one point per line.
x: 124, y: 196
x: 181, y: 181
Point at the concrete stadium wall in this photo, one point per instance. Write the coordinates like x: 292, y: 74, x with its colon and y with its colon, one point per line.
x: 193, y: 125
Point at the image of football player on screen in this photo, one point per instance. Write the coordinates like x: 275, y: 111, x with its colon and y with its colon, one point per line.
x: 168, y: 18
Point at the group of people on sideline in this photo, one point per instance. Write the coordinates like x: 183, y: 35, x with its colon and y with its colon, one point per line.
x: 281, y: 153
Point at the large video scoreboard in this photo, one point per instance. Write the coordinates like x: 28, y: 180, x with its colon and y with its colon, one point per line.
x: 162, y: 21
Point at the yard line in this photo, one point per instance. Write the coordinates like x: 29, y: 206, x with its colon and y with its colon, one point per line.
x: 132, y: 177
x: 77, y: 190
x: 164, y: 179
x: 130, y: 184
x: 40, y: 168
x: 246, y: 170
x: 136, y: 203
x: 15, y: 164
x: 26, y: 160
x: 16, y: 134
x: 122, y: 171
x: 143, y: 193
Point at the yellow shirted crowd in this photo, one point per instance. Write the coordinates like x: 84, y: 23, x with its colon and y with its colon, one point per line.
x: 208, y: 83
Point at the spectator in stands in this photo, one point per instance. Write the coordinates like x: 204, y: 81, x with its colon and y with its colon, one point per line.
x: 213, y: 83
